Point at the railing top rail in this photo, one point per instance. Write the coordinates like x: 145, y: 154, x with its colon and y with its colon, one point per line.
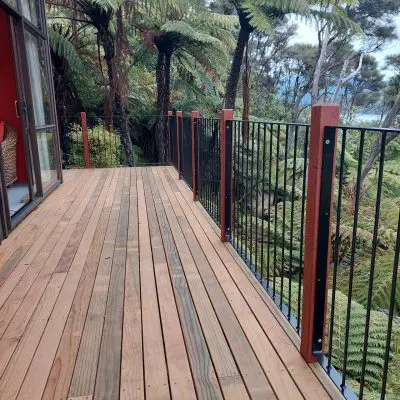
x: 274, y: 123
x: 366, y: 129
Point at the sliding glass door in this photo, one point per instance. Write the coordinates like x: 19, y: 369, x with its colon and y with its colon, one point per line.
x: 44, y: 121
x: 30, y: 163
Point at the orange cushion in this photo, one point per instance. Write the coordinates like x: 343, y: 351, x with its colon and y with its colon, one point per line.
x: 2, y: 131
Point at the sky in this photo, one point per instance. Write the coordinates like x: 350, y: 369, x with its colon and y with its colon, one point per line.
x: 306, y: 33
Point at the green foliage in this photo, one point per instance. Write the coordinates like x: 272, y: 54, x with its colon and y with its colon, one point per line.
x: 376, y: 340
x: 104, y: 146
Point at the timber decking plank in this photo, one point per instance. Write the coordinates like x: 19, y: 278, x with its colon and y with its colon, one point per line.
x: 229, y: 377
x: 227, y: 372
x: 109, y: 366
x: 179, y: 373
x: 14, y: 248
x: 253, y: 375
x: 275, y: 370
x: 41, y: 249
x: 84, y: 375
x: 132, y: 378
x: 58, y: 382
x: 263, y: 308
x: 278, y: 343
x: 44, y: 207
x: 155, y: 367
x: 148, y: 303
x: 34, y: 383
x: 13, y: 299
x: 15, y: 372
x: 257, y: 300
x: 56, y: 354
x: 29, y: 301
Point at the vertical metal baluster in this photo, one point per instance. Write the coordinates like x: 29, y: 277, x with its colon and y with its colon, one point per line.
x: 276, y: 207
x: 373, y: 260
x: 257, y: 181
x: 241, y: 193
x: 217, y: 182
x: 284, y: 215
x: 303, y: 204
x: 247, y: 190
x: 210, y: 153
x: 269, y: 203
x: 233, y: 232
x: 391, y: 312
x: 242, y: 205
x: 263, y: 201
x: 352, y: 260
x: 296, y: 129
x: 251, y: 191
x: 336, y: 248
x: 207, y: 154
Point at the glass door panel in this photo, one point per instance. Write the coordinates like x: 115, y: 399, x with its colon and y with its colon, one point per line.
x: 41, y: 104
x: 31, y: 11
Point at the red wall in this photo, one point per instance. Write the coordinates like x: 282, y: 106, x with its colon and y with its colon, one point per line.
x: 8, y: 92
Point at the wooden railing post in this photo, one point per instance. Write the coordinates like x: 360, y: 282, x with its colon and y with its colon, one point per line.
x: 178, y: 140
x: 169, y: 138
x: 194, y: 117
x: 85, y: 140
x: 226, y: 146
x: 320, y: 185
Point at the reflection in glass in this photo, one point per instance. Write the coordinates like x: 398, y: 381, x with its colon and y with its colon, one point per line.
x: 41, y: 107
x: 12, y: 3
x: 30, y: 10
x: 45, y: 140
x: 39, y: 80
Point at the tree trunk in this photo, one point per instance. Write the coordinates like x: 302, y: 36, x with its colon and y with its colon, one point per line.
x: 376, y: 148
x: 67, y: 98
x: 109, y: 53
x: 234, y: 74
x: 120, y: 87
x: 344, y: 79
x: 155, y: 147
x: 318, y: 66
x: 246, y: 97
x: 295, y: 117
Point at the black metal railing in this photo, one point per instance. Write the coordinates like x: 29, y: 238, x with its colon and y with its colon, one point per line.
x: 186, y: 150
x: 105, y: 144
x: 362, y: 338
x: 209, y: 164
x: 173, y: 135
x: 269, y: 191
x: 355, y: 313
x: 106, y: 138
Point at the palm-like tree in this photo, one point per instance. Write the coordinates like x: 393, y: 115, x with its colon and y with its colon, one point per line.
x: 99, y: 14
x: 187, y: 30
x: 256, y: 15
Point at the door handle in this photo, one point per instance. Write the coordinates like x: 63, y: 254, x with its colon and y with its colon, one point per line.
x: 17, y: 109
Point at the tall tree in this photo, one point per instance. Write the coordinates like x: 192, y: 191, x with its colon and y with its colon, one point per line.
x: 255, y: 15
x: 100, y: 16
x: 187, y: 30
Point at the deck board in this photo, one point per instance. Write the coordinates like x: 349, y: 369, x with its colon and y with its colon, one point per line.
x: 117, y: 286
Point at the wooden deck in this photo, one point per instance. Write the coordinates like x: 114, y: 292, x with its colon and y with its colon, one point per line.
x: 117, y: 286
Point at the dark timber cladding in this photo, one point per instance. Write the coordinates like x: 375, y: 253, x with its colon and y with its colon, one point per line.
x: 126, y: 291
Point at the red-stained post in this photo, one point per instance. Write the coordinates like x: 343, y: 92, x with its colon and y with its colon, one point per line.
x: 85, y: 140
x: 169, y: 137
x: 194, y: 116
x: 226, y: 174
x: 178, y: 140
x: 320, y: 190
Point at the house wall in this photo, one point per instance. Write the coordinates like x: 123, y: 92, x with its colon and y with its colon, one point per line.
x: 8, y: 92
